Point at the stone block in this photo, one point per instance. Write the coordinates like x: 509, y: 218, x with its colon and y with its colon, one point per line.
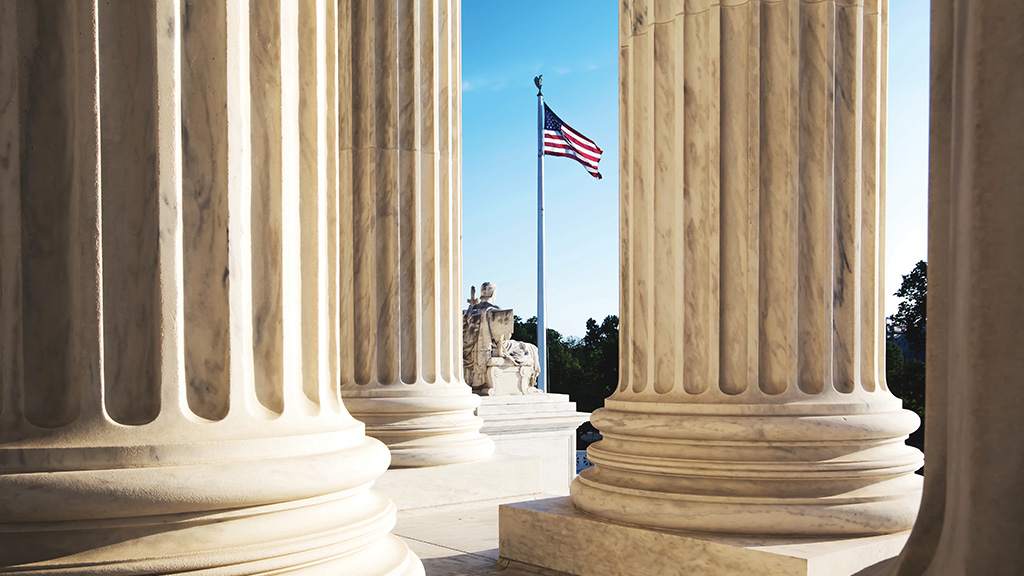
x: 553, y: 534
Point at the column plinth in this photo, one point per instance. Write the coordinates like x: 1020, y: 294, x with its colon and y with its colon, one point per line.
x: 169, y: 397
x: 400, y: 311
x: 752, y: 395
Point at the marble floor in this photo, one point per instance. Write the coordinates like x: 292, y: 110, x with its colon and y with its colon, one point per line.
x: 459, y: 541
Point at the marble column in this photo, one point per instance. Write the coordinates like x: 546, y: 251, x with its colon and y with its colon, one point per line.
x: 752, y: 396
x: 400, y: 272
x: 169, y: 398
x: 974, y: 440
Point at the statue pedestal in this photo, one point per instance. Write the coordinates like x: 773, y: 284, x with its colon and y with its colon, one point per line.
x: 535, y: 455
x: 541, y: 426
x: 505, y: 378
x: 553, y: 534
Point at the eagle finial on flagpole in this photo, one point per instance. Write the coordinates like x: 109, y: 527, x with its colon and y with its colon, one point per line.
x: 538, y: 80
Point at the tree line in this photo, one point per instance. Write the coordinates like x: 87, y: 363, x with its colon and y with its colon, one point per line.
x: 587, y: 369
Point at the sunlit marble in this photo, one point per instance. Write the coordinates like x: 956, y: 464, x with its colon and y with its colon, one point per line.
x: 752, y: 396
x: 169, y: 394
x: 400, y: 273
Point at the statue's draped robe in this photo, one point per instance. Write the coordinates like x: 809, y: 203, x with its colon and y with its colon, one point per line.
x: 485, y: 328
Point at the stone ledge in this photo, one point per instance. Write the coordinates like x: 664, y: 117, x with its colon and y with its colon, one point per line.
x: 504, y: 415
x: 553, y: 534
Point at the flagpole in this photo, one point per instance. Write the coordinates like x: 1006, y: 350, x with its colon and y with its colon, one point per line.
x: 542, y: 341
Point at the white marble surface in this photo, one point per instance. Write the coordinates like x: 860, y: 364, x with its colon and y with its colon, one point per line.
x: 538, y: 426
x: 500, y: 477
x: 426, y: 425
x: 459, y: 541
x: 751, y: 396
x: 400, y: 271
x: 167, y: 403
x: 750, y: 184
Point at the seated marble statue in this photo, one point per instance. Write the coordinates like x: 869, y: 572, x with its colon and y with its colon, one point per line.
x: 493, y: 363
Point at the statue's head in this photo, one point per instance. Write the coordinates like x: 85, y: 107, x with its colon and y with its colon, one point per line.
x: 487, y: 290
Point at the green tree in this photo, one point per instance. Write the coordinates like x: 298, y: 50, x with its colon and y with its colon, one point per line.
x: 906, y: 377
x: 598, y: 353
x: 564, y: 370
x: 524, y: 331
x: 587, y: 369
x: 911, y: 316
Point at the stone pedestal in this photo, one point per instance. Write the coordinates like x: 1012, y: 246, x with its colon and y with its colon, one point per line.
x: 540, y: 426
x: 535, y: 446
x: 169, y: 398
x: 400, y: 271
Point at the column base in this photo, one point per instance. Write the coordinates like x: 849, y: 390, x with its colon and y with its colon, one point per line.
x: 311, y: 513
x: 338, y: 534
x: 554, y: 535
x: 806, y: 471
x: 424, y: 430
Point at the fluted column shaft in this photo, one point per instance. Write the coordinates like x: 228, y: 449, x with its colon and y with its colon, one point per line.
x: 752, y: 395
x: 974, y: 440
x: 169, y: 398
x: 400, y: 305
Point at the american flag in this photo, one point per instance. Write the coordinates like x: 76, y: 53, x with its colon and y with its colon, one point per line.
x: 561, y: 140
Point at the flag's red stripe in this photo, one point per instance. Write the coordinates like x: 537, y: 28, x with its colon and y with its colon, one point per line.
x: 582, y: 154
x: 554, y: 140
x: 562, y: 140
x: 577, y: 140
x: 566, y: 144
x: 589, y: 169
x: 592, y: 168
x: 568, y: 152
x: 571, y: 152
x: 580, y: 139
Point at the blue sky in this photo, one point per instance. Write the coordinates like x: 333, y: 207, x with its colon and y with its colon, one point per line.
x: 574, y: 44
